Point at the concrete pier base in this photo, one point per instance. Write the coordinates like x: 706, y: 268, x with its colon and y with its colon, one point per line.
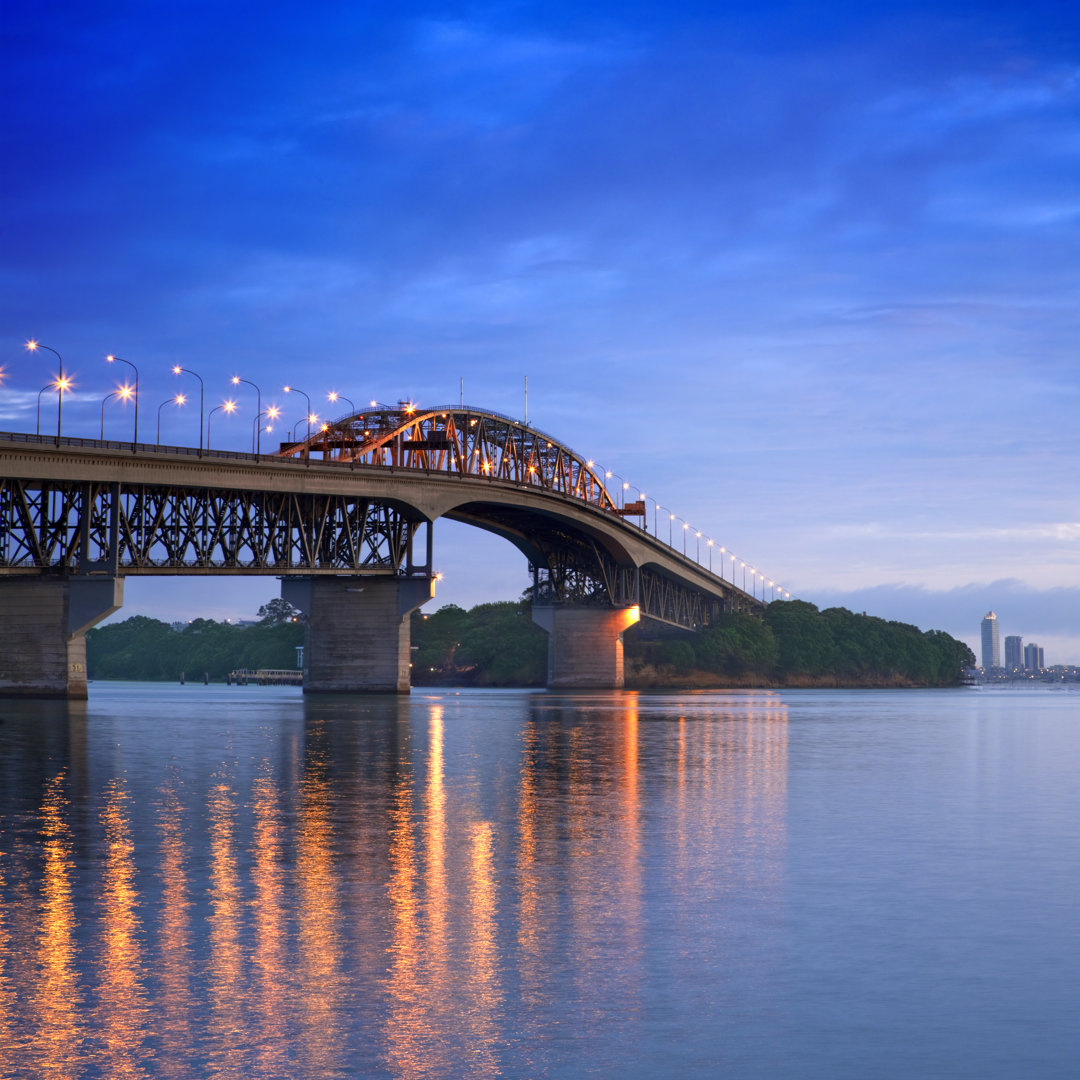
x: 43, y: 624
x: 585, y: 646
x: 358, y: 631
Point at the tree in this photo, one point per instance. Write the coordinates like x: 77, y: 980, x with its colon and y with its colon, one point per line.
x: 277, y: 611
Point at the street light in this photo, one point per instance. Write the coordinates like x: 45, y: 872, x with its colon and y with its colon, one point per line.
x: 334, y: 397
x: 258, y: 408
x: 178, y: 400
x: 125, y: 393
x: 296, y: 390
x: 60, y: 384
x: 47, y: 386
x: 228, y: 406
x: 272, y: 412
x: 110, y: 358
x: 177, y: 370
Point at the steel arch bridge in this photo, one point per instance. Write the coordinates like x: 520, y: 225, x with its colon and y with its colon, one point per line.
x: 357, y: 497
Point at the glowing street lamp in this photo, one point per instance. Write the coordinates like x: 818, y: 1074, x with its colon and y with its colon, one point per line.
x: 110, y: 358
x: 333, y: 397
x: 60, y: 384
x: 125, y: 393
x: 296, y: 390
x: 710, y: 557
x: 228, y: 406
x: 178, y: 370
x: 272, y: 412
x: 179, y: 399
x: 236, y: 380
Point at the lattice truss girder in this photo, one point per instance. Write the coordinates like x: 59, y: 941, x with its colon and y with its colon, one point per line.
x: 468, y: 443
x: 580, y: 571
x: 81, y: 527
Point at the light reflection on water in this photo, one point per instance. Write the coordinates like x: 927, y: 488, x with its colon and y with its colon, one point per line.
x: 239, y: 882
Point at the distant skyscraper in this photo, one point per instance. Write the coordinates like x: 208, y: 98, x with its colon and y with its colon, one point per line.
x: 1014, y: 653
x: 1033, y: 657
x: 991, y: 642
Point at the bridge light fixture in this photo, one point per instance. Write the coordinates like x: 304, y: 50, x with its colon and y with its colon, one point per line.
x: 131, y: 392
x: 589, y: 464
x: 60, y: 385
x: 374, y: 403
x: 607, y: 475
x: 438, y: 577
x: 333, y: 397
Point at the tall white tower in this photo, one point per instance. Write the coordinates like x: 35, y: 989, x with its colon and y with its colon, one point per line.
x: 991, y: 642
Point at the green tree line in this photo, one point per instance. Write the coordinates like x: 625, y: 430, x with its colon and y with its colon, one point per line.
x: 796, y: 641
x: 144, y: 649
x: 498, y: 644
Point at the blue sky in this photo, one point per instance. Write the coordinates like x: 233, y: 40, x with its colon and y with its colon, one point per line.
x: 806, y: 274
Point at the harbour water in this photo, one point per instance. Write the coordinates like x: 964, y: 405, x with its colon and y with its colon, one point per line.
x: 238, y: 882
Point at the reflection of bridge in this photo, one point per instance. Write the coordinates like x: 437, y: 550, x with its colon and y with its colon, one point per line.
x: 345, y: 520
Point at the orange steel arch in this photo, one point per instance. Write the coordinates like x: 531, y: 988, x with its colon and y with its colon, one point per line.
x: 468, y: 442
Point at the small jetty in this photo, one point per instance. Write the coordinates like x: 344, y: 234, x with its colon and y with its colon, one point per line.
x: 265, y: 677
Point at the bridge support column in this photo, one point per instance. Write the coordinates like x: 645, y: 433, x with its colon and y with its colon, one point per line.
x: 358, y: 631
x: 43, y: 632
x: 585, y: 646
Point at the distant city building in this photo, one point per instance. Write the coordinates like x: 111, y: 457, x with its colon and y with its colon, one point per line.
x: 1033, y: 657
x: 1014, y: 652
x: 991, y: 642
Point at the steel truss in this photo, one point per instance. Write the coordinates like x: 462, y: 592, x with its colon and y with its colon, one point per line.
x: 580, y: 571
x: 133, y: 528
x: 458, y: 441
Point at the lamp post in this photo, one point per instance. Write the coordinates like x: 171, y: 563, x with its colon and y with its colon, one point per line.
x: 61, y: 384
x: 47, y: 386
x: 334, y: 397
x: 297, y: 390
x: 103, y: 400
x: 177, y: 370
x: 178, y: 400
x: 258, y: 408
x: 125, y: 393
x: 110, y: 358
x: 271, y: 412
x: 228, y: 406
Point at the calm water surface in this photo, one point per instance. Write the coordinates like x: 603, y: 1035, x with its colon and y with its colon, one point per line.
x: 237, y: 882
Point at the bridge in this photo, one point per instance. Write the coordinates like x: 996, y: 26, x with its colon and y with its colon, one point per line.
x: 344, y: 518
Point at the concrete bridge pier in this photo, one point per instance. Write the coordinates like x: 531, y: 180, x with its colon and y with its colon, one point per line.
x: 358, y: 631
x: 43, y: 624
x: 585, y: 645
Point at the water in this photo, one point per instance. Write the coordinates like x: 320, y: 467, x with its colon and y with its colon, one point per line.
x: 236, y: 882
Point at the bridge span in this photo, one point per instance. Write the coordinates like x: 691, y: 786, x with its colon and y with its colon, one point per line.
x: 345, y: 520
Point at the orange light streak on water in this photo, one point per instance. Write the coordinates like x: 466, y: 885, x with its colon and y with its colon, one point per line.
x: 174, y: 1005
x: 227, y: 984
x: 271, y: 933
x: 319, y: 917
x: 122, y: 1011
x: 57, y: 1000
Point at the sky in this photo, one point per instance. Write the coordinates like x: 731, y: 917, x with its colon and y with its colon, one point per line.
x: 805, y: 274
